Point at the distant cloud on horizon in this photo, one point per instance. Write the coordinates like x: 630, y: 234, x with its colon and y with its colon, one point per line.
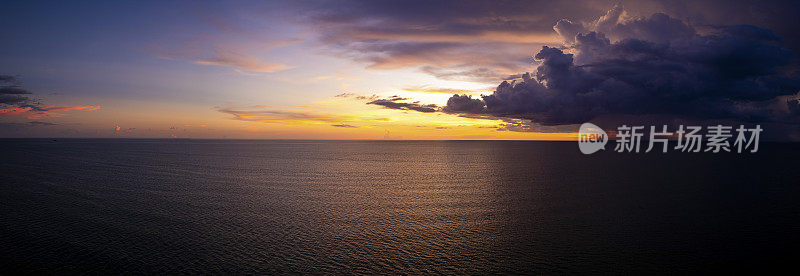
x: 17, y: 101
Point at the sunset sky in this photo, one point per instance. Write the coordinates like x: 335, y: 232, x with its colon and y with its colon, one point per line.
x: 389, y: 69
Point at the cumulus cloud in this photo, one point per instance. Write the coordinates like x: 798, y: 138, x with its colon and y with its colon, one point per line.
x: 620, y: 65
x: 463, y: 103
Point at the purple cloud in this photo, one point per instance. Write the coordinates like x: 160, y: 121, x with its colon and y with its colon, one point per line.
x: 649, y: 65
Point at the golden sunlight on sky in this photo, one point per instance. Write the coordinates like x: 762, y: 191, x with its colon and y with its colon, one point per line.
x: 372, y: 70
x: 345, y: 117
x: 219, y: 72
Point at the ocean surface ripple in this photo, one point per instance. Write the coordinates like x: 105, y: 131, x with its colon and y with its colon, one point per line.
x: 101, y: 206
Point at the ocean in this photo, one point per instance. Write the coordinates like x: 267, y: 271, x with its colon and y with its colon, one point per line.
x: 130, y: 206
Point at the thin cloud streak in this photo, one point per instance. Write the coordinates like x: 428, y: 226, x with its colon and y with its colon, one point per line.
x: 245, y: 62
x: 344, y: 126
x: 443, y: 90
x: 280, y: 116
x: 396, y: 102
x: 43, y: 112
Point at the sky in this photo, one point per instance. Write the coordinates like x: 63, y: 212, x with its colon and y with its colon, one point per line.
x: 529, y: 70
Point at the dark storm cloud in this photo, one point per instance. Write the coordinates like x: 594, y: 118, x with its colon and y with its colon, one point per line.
x: 396, y: 102
x: 652, y: 65
x: 524, y: 125
x: 779, y: 16
x: 463, y: 103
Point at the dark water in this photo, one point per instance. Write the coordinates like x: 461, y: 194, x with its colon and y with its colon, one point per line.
x: 231, y: 207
